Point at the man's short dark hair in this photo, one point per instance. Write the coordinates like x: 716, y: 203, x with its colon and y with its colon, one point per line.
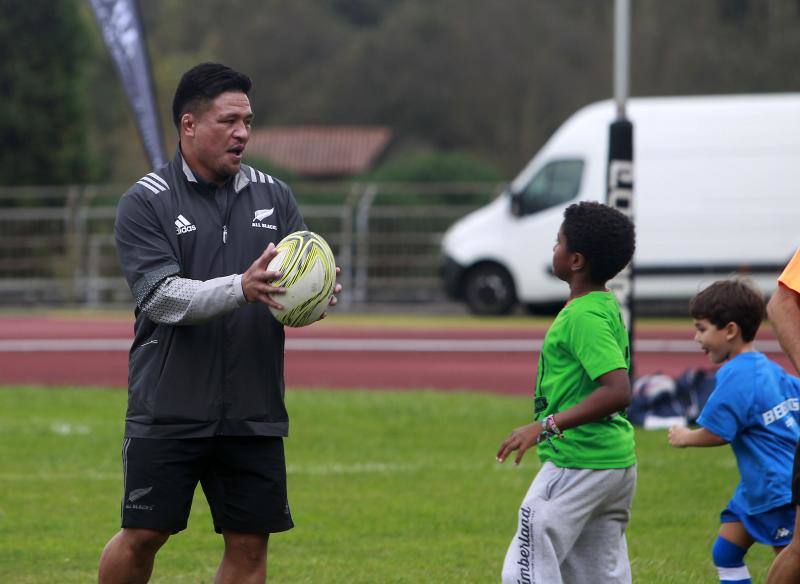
x: 201, y: 84
x: 603, y: 235
x: 734, y: 300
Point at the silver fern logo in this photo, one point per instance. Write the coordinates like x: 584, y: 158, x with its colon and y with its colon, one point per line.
x: 262, y: 214
x: 259, y: 217
x: 137, y: 494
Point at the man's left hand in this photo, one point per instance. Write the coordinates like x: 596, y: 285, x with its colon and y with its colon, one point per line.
x: 336, y: 290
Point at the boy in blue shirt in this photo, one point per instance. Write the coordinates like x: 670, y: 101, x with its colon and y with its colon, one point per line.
x: 754, y: 408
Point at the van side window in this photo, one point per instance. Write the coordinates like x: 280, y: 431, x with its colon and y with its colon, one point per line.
x: 555, y: 184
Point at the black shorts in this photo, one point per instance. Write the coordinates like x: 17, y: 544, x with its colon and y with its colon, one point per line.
x: 796, y: 476
x: 243, y: 478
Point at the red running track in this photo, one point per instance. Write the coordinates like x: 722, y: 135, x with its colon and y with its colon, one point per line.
x: 59, y: 351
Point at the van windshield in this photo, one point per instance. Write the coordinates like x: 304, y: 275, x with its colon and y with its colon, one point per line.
x: 555, y: 184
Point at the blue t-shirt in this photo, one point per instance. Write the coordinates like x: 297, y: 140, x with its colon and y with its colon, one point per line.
x: 754, y: 407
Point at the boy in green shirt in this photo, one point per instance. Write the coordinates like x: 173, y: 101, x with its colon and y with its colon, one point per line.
x: 572, y: 521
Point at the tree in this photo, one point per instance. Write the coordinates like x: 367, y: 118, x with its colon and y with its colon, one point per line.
x: 43, y: 116
x: 495, y: 79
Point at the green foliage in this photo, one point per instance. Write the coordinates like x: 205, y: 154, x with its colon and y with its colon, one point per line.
x: 436, y: 166
x: 395, y: 487
x: 431, y: 166
x: 43, y: 112
x: 362, y: 13
x: 492, y: 78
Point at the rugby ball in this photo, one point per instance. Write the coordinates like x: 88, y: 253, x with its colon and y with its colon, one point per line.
x: 308, y: 272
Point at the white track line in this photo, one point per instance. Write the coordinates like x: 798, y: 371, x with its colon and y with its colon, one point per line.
x: 320, y: 469
x: 63, y: 345
x: 361, y: 345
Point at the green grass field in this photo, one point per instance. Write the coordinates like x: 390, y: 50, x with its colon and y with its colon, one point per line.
x: 385, y: 488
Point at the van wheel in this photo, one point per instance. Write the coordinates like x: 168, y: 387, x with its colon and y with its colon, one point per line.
x: 489, y: 290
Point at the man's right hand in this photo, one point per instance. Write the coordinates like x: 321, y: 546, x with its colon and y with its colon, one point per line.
x: 257, y: 280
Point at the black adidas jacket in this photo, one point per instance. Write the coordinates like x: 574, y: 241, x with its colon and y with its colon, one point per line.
x: 223, y: 376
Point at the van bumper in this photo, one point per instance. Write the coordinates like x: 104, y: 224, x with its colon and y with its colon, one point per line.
x: 452, y: 276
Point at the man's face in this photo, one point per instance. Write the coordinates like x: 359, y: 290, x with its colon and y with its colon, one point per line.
x: 218, y: 135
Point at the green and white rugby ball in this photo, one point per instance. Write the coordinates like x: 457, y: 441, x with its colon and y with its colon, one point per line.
x: 308, y: 272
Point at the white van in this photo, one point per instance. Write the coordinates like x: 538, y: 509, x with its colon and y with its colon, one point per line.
x: 716, y: 190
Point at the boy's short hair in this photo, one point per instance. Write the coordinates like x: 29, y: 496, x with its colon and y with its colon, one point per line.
x: 201, y: 84
x: 605, y: 237
x: 733, y: 300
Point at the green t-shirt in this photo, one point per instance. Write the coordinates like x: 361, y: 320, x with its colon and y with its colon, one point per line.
x: 587, y: 339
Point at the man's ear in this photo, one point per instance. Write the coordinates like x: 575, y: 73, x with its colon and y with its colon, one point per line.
x: 188, y: 124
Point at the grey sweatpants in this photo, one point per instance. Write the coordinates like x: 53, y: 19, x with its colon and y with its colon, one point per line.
x: 571, y: 528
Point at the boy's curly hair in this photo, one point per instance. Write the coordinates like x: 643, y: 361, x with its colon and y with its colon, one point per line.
x: 605, y: 237
x: 732, y: 300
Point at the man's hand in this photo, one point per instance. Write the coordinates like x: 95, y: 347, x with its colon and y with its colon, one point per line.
x: 336, y: 289
x: 256, y: 281
x: 677, y: 436
x: 520, y: 439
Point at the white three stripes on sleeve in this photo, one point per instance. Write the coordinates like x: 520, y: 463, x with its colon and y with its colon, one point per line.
x: 258, y: 176
x: 158, y: 179
x: 147, y: 181
x: 148, y: 185
x: 154, y: 183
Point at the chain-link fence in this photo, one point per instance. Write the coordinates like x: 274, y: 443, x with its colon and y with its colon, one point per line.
x: 57, y: 243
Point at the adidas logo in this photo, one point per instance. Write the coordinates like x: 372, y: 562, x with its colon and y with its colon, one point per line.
x: 183, y: 225
x: 782, y: 532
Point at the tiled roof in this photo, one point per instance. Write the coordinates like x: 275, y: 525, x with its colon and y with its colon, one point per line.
x: 320, y: 151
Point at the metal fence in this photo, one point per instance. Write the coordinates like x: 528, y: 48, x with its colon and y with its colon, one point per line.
x: 57, y: 243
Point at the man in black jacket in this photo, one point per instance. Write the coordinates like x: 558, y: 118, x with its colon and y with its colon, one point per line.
x: 205, y: 381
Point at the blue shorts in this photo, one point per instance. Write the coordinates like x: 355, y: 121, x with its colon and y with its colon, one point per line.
x: 773, y: 527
